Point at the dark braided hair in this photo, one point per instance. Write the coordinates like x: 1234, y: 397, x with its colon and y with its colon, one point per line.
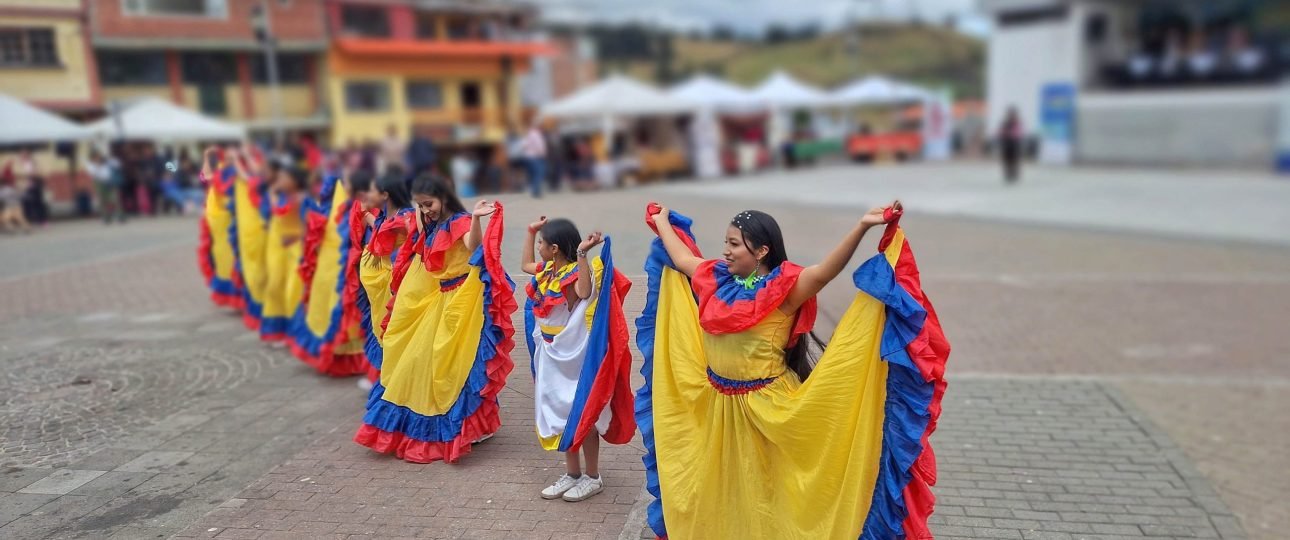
x: 760, y: 230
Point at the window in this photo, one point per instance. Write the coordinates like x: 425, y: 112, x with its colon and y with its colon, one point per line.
x: 426, y: 27
x: 1033, y: 15
x: 117, y: 68
x: 293, y: 68
x: 366, y: 21
x: 210, y: 68
x: 424, y: 95
x: 367, y: 96
x: 471, y: 97
x: 182, y: 8
x: 27, y: 47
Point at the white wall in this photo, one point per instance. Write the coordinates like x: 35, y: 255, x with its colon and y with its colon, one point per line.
x: 1023, y: 58
x: 1207, y: 127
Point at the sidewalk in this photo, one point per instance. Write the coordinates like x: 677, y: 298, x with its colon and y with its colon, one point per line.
x: 1219, y: 205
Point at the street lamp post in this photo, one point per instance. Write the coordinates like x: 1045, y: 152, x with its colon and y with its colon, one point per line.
x: 264, y: 34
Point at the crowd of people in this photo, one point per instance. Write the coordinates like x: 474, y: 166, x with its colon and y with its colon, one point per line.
x: 389, y: 276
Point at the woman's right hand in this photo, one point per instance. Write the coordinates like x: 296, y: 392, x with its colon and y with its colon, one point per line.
x: 662, y: 215
x: 537, y: 225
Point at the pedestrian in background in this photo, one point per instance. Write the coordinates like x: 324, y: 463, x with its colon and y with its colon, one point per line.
x: 11, y: 216
x: 533, y: 147
x: 107, y: 183
x: 1011, y: 139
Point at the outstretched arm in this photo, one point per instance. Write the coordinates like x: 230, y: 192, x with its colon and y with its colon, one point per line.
x: 815, y: 277
x: 528, y: 262
x: 682, y: 258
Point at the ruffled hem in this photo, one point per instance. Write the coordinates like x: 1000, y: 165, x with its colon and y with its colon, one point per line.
x: 485, y: 421
x: 333, y: 365
x: 204, y: 262
x: 655, y: 262
x: 251, y: 314
x: 315, y: 229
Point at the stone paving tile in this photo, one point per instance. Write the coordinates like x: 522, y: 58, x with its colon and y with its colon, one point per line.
x: 1015, y: 299
x: 61, y: 482
x: 1025, y: 458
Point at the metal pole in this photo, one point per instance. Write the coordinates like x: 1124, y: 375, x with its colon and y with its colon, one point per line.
x: 271, y: 65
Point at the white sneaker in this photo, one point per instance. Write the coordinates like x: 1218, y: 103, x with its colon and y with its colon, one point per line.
x: 554, y: 491
x: 365, y: 384
x: 586, y: 487
x: 484, y: 438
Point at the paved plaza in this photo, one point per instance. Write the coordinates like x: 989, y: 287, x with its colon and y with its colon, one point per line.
x: 1119, y: 370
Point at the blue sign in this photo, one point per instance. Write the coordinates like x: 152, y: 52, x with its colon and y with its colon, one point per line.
x: 1057, y: 122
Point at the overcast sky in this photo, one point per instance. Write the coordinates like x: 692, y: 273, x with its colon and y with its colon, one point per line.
x: 754, y: 15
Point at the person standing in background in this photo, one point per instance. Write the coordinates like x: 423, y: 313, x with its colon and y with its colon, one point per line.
x: 1011, y: 138
x: 392, y: 149
x: 533, y: 147
x: 106, y: 174
x: 421, y: 154
x: 30, y: 187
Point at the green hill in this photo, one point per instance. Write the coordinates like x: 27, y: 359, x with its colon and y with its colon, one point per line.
x: 920, y: 54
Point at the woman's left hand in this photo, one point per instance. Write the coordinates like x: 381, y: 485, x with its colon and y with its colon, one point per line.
x: 484, y: 208
x: 594, y: 239
x: 878, y: 214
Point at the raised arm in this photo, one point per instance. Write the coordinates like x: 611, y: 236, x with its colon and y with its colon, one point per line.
x: 815, y: 277
x: 476, y: 236
x: 207, y: 155
x: 584, y: 287
x: 528, y: 263
x: 682, y: 258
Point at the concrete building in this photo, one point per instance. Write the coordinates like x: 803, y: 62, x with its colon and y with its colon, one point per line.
x: 1180, y: 82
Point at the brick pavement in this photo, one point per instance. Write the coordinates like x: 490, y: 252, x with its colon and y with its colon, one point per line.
x: 1116, y: 311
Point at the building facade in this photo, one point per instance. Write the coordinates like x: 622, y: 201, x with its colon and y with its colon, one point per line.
x: 205, y: 55
x: 448, y: 69
x: 46, y: 56
x: 1155, y: 83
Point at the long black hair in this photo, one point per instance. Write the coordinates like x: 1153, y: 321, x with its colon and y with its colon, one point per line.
x: 432, y: 185
x: 563, y: 235
x: 760, y: 230
x: 393, y: 186
x: 360, y: 181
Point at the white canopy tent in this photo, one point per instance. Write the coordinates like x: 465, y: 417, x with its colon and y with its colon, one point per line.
x: 878, y: 90
x: 21, y: 123
x: 782, y: 90
x: 611, y: 100
x: 158, y: 119
x: 710, y: 92
x: 714, y: 96
x: 617, y: 96
x: 784, y: 94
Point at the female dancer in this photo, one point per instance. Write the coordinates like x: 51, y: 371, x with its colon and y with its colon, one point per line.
x: 215, y: 254
x: 251, y: 212
x: 283, y: 287
x: 324, y: 332
x: 746, y: 436
x: 380, y: 226
x: 448, y: 336
x: 579, y: 348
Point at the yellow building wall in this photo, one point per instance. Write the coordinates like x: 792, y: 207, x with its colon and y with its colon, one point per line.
x: 358, y: 126
x: 68, y: 82
x: 297, y: 101
x: 112, y: 93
